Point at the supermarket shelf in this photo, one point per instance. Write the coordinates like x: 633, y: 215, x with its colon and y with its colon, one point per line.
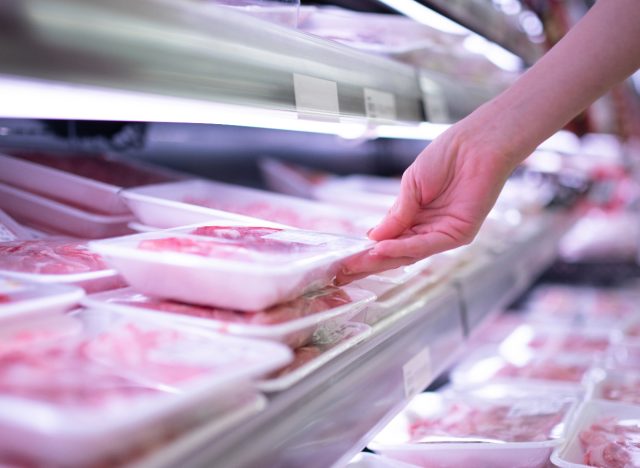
x: 188, y: 62
x: 335, y: 410
x: 484, y: 18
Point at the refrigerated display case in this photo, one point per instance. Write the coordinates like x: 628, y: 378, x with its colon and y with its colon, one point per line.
x: 165, y: 67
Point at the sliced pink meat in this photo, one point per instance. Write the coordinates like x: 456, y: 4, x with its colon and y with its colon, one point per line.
x: 610, y: 443
x: 52, y: 257
x: 545, y: 370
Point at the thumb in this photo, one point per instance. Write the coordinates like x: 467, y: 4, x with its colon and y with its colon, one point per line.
x: 400, y: 217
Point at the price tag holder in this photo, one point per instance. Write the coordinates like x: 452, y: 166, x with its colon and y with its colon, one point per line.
x: 417, y: 373
x: 379, y: 105
x: 316, y: 99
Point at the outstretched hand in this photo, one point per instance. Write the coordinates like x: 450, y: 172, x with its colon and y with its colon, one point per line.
x: 445, y: 196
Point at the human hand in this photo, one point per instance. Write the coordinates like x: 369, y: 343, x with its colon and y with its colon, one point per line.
x: 445, y: 196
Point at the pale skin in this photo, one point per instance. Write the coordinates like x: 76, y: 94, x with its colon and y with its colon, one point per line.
x: 452, y: 185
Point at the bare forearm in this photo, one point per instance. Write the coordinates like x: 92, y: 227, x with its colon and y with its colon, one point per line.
x: 599, y: 52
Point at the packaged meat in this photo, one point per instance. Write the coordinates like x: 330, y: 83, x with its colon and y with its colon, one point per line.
x: 497, y: 329
x: 488, y: 364
x: 230, y: 266
x: 547, y: 339
x: 604, y: 434
x: 10, y: 230
x: 197, y: 201
x: 453, y: 429
x: 628, y: 332
x: 24, y: 299
x: 615, y: 385
x: 396, y: 299
x: 117, y: 382
x: 50, y: 214
x: 293, y: 323
x: 57, y: 261
x: 314, y: 355
x: 88, y: 181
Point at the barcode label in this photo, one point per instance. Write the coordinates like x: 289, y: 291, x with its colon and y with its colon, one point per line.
x: 379, y: 104
x: 316, y: 99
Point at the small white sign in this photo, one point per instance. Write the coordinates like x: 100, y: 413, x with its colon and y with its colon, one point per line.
x: 316, y: 99
x: 417, y: 373
x: 6, y: 235
x: 301, y: 237
x: 379, y: 104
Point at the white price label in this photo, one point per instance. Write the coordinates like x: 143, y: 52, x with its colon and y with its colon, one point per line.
x: 379, y: 104
x: 434, y: 101
x: 417, y: 373
x: 316, y: 99
x: 6, y: 235
x: 301, y: 237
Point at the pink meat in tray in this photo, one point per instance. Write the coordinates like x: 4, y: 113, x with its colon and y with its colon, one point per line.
x: 303, y: 306
x: 229, y: 242
x: 633, y: 331
x: 90, y: 372
x: 503, y: 422
x: 570, y: 343
x: 545, y: 370
x: 98, y: 168
x: 611, y: 443
x: 48, y: 256
x: 281, y: 214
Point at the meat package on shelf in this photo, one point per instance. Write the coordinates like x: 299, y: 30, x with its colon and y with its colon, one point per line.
x: 57, y: 261
x: 19, y: 299
x: 195, y: 201
x: 604, y: 434
x: 617, y: 385
x: 293, y: 323
x: 237, y: 267
x: 454, y: 429
x: 98, y: 383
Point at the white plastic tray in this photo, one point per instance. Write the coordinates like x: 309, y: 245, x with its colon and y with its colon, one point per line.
x: 76, y: 189
x: 371, y: 460
x: 196, y: 201
x: 309, y: 358
x: 187, y: 377
x: 60, y: 217
x: 237, y: 278
x: 571, y: 454
x: 92, y: 278
x: 23, y: 299
x: 295, y: 323
x: 444, y: 451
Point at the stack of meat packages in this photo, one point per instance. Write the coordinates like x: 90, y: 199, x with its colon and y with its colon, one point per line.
x: 561, y: 377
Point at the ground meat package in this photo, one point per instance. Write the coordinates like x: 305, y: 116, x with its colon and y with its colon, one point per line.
x: 615, y: 385
x: 88, y: 181
x: 57, y: 261
x: 293, y: 323
x: 24, y: 299
x: 113, y: 382
x: 196, y: 201
x: 489, y: 364
x: 51, y: 215
x: 454, y: 429
x: 603, y: 434
x: 230, y: 266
